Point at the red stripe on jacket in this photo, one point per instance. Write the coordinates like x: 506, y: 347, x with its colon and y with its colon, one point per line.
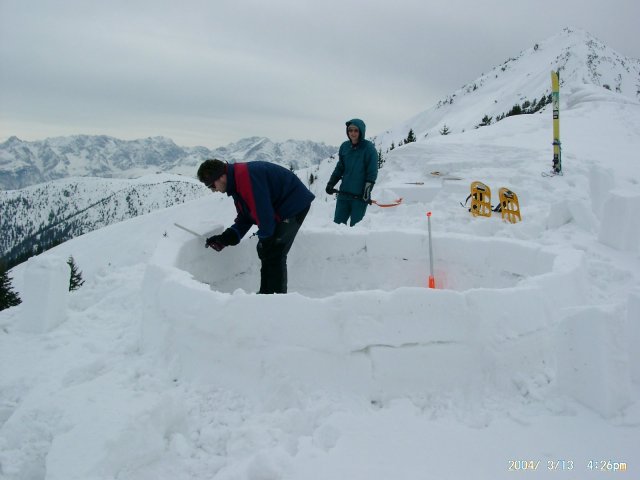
x: 245, y: 190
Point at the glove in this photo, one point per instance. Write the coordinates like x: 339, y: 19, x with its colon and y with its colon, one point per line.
x: 215, y: 242
x: 366, y: 194
x: 226, y: 238
x: 330, y: 186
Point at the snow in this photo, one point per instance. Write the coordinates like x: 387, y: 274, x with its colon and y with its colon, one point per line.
x: 166, y: 365
x: 46, y: 283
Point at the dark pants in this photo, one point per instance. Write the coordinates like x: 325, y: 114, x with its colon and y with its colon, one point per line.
x: 273, y: 252
x: 349, y: 207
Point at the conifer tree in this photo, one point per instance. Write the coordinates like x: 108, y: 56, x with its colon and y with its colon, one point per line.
x: 380, y: 158
x: 445, y: 130
x: 75, y: 281
x: 486, y: 120
x: 516, y: 110
x: 8, y: 298
x: 411, y: 137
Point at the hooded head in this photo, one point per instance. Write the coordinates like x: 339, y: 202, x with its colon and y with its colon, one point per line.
x: 356, y: 122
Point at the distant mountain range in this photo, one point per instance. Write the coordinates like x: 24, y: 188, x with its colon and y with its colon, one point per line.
x: 25, y: 163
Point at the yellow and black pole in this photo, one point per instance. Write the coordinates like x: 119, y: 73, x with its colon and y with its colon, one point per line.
x: 555, y: 100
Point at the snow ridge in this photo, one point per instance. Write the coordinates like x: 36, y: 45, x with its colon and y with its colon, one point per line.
x: 579, y: 56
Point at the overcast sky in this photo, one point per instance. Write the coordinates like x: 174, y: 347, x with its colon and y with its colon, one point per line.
x: 212, y: 72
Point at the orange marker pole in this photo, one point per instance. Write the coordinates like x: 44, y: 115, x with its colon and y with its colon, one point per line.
x: 432, y: 280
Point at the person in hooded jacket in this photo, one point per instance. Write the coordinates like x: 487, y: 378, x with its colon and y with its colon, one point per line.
x: 267, y: 195
x: 357, y: 167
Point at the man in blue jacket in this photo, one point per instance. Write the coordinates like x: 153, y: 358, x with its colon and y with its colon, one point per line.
x: 266, y: 195
x: 357, y: 167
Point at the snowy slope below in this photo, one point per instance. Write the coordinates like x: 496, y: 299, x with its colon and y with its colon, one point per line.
x: 37, y: 217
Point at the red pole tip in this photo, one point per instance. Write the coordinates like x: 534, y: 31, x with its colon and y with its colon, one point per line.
x: 428, y: 214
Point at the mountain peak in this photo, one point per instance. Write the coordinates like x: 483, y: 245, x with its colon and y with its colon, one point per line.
x: 579, y: 56
x: 11, y: 141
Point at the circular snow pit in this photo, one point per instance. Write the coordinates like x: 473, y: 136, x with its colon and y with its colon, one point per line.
x: 322, y: 264
x: 490, y: 313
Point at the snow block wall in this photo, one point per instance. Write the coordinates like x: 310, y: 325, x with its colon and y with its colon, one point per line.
x: 359, y: 315
x: 593, y: 359
x: 620, y: 228
x: 45, y: 293
x: 601, y: 182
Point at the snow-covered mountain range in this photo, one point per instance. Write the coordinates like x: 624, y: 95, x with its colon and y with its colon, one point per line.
x: 28, y: 163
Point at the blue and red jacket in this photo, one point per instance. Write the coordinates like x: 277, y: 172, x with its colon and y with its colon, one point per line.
x: 265, y: 194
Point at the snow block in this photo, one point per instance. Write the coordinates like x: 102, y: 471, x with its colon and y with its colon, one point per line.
x: 582, y: 215
x: 511, y: 334
x: 559, y: 214
x: 593, y: 359
x: 601, y: 182
x: 564, y: 285
x: 565, y: 211
x: 620, y: 227
x: 404, y: 317
x: 444, y: 367
x: 45, y: 293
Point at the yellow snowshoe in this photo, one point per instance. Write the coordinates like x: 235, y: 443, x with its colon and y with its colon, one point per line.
x: 509, y: 205
x: 480, y: 199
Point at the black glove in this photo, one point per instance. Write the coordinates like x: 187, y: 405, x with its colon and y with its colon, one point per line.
x: 215, y: 242
x: 366, y: 194
x: 330, y: 186
x: 226, y: 238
